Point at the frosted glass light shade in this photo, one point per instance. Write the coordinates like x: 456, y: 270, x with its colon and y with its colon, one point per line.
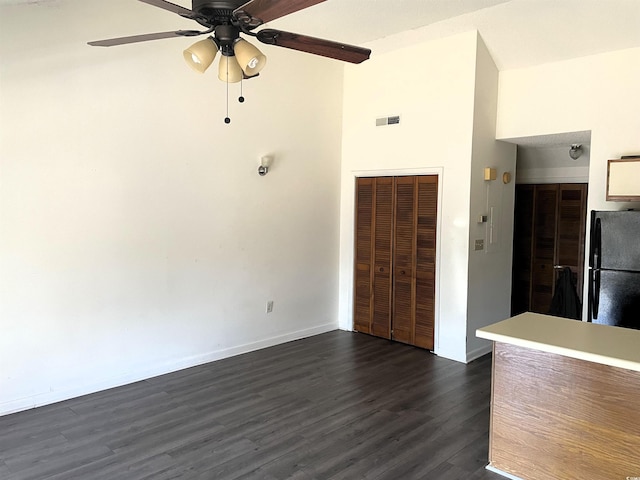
x: 230, y: 66
x: 575, y: 151
x: 251, y: 59
x: 200, y: 55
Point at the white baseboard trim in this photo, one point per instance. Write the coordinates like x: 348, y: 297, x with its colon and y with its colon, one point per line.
x: 478, y: 352
x: 500, y: 472
x: 47, y: 398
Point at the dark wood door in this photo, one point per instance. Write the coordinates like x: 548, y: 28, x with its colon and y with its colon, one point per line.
x: 373, y: 246
x: 395, y: 258
x: 404, y: 260
x: 363, y: 255
x: 522, y: 249
x: 425, y: 266
x: 549, y: 233
x: 572, y: 212
x: 382, y: 257
x: 544, y: 247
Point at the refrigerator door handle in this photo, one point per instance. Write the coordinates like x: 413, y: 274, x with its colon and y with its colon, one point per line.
x: 597, y: 247
x: 595, y: 294
x: 592, y: 239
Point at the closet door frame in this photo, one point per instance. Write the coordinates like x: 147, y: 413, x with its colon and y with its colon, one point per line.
x: 437, y: 171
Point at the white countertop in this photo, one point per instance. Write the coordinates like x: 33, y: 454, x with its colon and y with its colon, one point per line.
x: 614, y: 346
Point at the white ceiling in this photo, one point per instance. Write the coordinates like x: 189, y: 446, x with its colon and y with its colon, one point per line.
x: 518, y: 33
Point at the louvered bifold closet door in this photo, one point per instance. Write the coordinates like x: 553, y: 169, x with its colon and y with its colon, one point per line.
x: 544, y: 244
x: 425, y: 266
x: 395, y: 242
x: 382, y: 256
x: 363, y: 255
x: 404, y: 253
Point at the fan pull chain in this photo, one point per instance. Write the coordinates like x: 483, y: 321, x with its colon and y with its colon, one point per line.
x: 227, y: 119
x: 241, y: 98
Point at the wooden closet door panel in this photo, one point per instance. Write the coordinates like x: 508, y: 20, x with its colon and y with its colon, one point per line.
x: 572, y: 214
x: 425, y: 264
x: 522, y: 249
x: 543, y: 278
x: 403, y: 324
x: 363, y: 255
x: 382, y: 256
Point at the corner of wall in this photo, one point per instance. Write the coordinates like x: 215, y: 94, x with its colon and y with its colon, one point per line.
x: 491, y: 210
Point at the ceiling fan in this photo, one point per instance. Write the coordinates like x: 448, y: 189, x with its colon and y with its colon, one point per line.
x: 225, y: 20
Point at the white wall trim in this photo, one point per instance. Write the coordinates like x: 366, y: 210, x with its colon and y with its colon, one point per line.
x: 552, y: 175
x: 478, y: 352
x: 395, y: 172
x: 542, y: 181
x: 151, y: 371
x: 500, y: 472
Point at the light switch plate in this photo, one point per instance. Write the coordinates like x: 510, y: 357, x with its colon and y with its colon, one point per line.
x: 479, y: 244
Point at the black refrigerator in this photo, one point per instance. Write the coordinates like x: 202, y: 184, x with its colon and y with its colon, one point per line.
x: 614, y: 268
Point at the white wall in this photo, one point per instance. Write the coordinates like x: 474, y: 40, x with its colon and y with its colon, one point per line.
x: 489, y: 298
x: 431, y: 85
x: 136, y: 237
x: 599, y: 93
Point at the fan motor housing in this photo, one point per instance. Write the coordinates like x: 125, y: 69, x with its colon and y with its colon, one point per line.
x: 216, y: 12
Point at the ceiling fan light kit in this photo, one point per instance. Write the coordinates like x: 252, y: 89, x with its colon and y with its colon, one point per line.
x: 226, y: 20
x: 229, y: 70
x: 201, y: 55
x: 249, y: 57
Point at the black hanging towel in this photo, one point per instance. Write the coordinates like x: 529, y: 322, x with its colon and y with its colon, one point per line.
x: 565, y: 302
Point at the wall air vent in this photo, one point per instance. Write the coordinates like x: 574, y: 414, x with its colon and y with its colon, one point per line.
x: 393, y: 120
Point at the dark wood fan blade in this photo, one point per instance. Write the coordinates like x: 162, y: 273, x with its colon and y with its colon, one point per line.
x: 144, y: 38
x: 267, y: 10
x: 317, y: 46
x: 172, y: 7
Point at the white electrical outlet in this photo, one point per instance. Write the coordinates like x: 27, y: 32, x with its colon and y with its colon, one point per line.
x: 269, y: 306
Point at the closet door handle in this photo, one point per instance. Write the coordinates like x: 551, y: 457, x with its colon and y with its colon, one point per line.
x: 402, y: 272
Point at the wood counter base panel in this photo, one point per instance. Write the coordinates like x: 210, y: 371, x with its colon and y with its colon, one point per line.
x: 556, y: 417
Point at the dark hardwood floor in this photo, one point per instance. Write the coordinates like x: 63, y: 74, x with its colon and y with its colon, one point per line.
x: 336, y: 406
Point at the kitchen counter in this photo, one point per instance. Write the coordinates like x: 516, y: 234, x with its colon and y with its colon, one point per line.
x: 617, y: 347
x: 564, y: 399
